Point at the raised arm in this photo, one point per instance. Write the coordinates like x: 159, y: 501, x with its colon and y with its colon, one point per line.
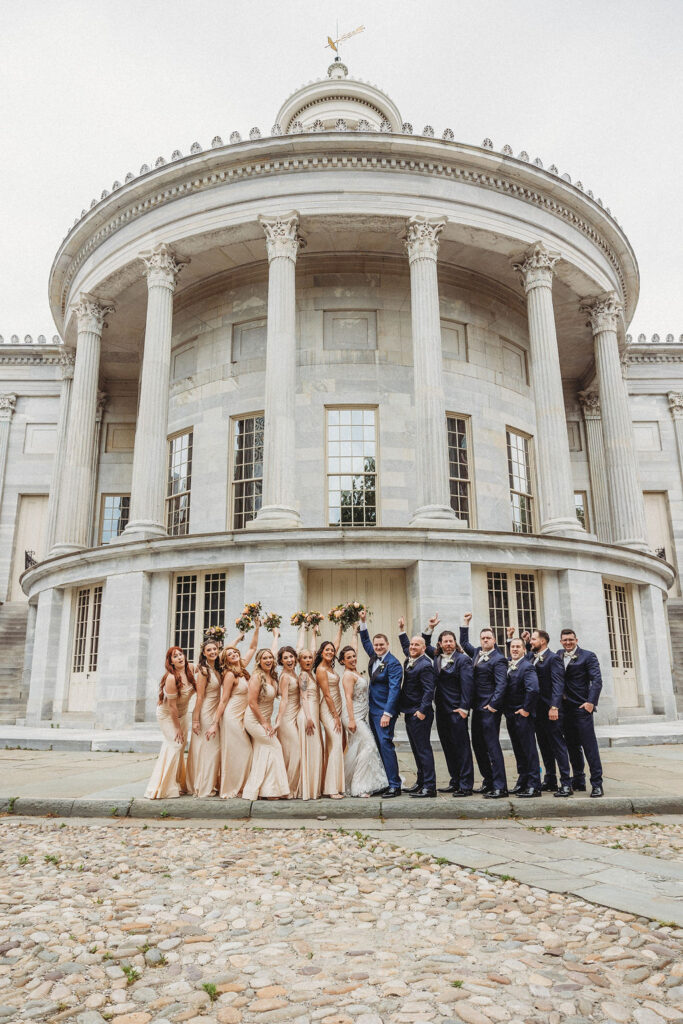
x: 427, y: 634
x: 337, y: 637
x: 301, y: 639
x: 403, y: 636
x: 275, y: 643
x: 354, y: 638
x: 465, y: 637
x: 253, y: 646
x: 315, y: 634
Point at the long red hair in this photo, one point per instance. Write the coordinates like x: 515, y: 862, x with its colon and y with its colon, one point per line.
x: 171, y: 670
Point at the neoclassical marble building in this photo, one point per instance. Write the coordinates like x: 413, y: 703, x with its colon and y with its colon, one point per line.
x: 339, y: 359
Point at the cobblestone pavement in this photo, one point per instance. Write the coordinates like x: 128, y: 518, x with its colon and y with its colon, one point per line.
x: 654, y: 839
x: 140, y: 923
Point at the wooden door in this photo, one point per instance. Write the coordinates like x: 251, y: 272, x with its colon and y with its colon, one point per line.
x: 28, y: 536
x: 622, y: 644
x: 659, y: 534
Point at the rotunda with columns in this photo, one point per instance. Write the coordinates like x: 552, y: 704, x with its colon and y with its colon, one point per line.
x: 344, y: 359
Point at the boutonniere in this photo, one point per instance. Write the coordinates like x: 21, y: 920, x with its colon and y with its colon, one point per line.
x: 573, y: 657
x: 484, y: 657
x: 539, y: 659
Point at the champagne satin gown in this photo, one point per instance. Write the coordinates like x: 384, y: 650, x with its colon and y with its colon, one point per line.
x: 168, y: 777
x: 333, y: 774
x: 311, y: 746
x: 268, y: 775
x: 288, y: 734
x: 236, y: 750
x: 204, y: 756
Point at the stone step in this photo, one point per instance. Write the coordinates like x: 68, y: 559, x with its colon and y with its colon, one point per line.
x: 13, y: 619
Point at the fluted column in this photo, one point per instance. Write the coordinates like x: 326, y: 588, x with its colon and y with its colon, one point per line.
x: 150, y: 459
x: 278, y: 509
x: 602, y: 525
x: 7, y: 405
x: 557, y: 512
x: 676, y: 409
x: 94, y: 512
x: 623, y: 485
x: 66, y: 362
x: 73, y: 515
x: 432, y: 492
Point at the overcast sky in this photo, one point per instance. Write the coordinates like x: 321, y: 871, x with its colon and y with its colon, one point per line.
x: 91, y: 90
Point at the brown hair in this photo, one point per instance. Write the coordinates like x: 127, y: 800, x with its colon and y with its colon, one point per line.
x: 171, y: 670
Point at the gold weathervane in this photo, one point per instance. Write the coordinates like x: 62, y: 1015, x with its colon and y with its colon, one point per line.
x: 333, y: 44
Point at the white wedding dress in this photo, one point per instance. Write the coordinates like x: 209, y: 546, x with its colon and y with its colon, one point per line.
x: 363, y: 769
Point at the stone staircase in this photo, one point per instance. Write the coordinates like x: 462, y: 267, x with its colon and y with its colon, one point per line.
x: 13, y: 619
x: 674, y: 607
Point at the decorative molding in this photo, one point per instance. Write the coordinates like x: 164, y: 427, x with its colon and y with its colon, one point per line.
x: 590, y: 403
x: 536, y: 267
x: 282, y: 236
x: 421, y: 239
x: 67, y: 361
x: 633, y: 358
x: 7, y: 404
x: 676, y: 404
x: 162, y: 266
x: 90, y: 314
x: 29, y: 358
x: 323, y: 161
x: 603, y: 312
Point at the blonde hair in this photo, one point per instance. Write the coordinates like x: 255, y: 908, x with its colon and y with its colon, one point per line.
x: 225, y: 667
x: 261, y: 673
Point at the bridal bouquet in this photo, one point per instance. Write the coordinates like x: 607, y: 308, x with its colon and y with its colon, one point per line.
x: 272, y: 621
x: 348, y: 614
x: 299, y: 619
x: 314, y: 619
x: 216, y: 633
x: 244, y: 622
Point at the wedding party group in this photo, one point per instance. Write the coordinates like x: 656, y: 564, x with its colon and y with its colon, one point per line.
x: 333, y: 733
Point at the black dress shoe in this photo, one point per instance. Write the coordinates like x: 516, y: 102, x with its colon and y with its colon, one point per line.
x: 516, y: 789
x: 412, y: 789
x: 529, y: 792
x: 483, y: 789
x: 450, y: 788
x: 549, y: 785
x: 578, y: 787
x: 462, y: 792
x: 496, y: 794
x: 564, y: 791
x: 597, y: 791
x: 389, y: 793
x: 422, y: 792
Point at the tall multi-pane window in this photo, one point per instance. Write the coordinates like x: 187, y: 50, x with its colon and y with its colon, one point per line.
x: 87, y: 630
x: 351, y: 467
x: 199, y: 603
x: 247, y: 470
x: 114, y: 516
x: 459, y: 468
x: 512, y: 602
x: 519, y: 474
x: 618, y: 625
x: 499, y: 605
x: 179, y: 484
x: 581, y: 506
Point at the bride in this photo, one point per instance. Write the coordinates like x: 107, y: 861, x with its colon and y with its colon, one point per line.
x: 363, y: 769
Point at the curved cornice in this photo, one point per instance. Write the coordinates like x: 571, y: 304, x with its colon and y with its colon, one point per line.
x: 365, y: 153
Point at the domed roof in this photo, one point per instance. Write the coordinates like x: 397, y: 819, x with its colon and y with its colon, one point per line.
x: 324, y: 103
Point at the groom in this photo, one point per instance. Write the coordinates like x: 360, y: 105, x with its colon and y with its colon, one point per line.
x: 385, y: 674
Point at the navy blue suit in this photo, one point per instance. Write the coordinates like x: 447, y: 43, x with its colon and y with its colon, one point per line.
x: 522, y: 695
x: 385, y: 675
x: 454, y: 685
x: 582, y: 684
x: 549, y: 733
x: 417, y: 694
x: 490, y: 683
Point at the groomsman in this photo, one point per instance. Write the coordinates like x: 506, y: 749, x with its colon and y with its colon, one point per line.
x: 417, y: 694
x: 521, y: 696
x: 490, y: 682
x: 385, y: 675
x: 550, y: 712
x: 582, y: 686
x: 454, y: 683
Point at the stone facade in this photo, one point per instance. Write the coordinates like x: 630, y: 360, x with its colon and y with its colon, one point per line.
x: 456, y: 300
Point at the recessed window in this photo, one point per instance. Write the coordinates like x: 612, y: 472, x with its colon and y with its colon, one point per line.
x: 581, y: 506
x: 114, y: 516
x: 247, y: 469
x: 350, y: 330
x: 512, y: 602
x: 351, y: 467
x: 199, y: 603
x: 87, y: 630
x: 459, y: 467
x: 249, y: 339
x: 179, y: 484
x: 519, y: 474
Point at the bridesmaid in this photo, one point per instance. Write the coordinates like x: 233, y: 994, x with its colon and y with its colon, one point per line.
x: 175, y: 690
x: 309, y: 724
x: 330, y: 717
x: 203, y: 759
x: 287, y: 722
x: 235, y: 742
x: 268, y: 775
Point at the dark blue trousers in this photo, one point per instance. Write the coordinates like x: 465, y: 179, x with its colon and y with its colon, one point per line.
x: 551, y: 743
x: 579, y: 732
x: 421, y: 746
x: 518, y: 751
x: 455, y: 743
x: 487, y: 749
x: 525, y: 737
x: 384, y: 738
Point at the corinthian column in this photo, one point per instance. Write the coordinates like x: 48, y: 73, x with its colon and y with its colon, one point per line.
x: 73, y: 516
x: 150, y: 460
x: 623, y: 486
x: 7, y: 404
x: 676, y: 409
x: 67, y: 361
x: 555, y: 487
x: 278, y: 510
x: 590, y: 403
x: 432, y: 491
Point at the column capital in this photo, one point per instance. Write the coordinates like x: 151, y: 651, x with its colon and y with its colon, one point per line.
x: 590, y: 403
x: 421, y: 239
x: 676, y: 404
x: 91, y: 313
x: 67, y: 361
x: 162, y: 266
x: 282, y: 236
x: 536, y: 266
x: 7, y: 405
x: 603, y: 312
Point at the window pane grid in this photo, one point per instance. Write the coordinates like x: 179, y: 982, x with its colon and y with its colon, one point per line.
x: 247, y: 470
x: 179, y: 485
x: 214, y: 599
x: 351, y: 467
x: 115, y: 515
x: 581, y: 506
x: 95, y: 628
x: 81, y: 634
x: 519, y: 474
x: 614, y: 654
x: 525, y: 593
x: 499, y: 605
x: 185, y: 611
x: 624, y: 634
x: 458, y: 467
